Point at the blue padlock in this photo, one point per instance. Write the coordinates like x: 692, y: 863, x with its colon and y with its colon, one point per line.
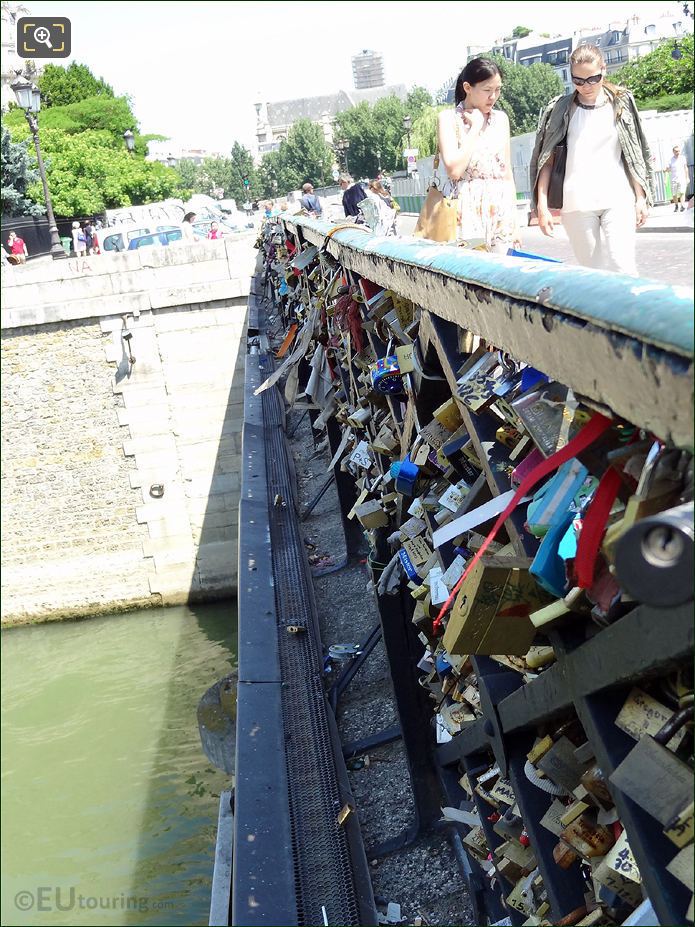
x: 405, y: 473
x: 386, y: 375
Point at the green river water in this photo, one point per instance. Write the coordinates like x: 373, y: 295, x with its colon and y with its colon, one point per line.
x: 109, y: 805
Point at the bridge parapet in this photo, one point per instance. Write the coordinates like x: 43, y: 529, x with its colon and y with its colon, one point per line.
x: 127, y: 282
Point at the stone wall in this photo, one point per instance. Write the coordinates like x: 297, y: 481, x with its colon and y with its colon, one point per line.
x: 120, y: 480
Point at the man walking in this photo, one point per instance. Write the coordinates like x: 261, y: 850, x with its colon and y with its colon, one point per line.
x: 310, y: 201
x: 680, y: 178
x: 353, y: 194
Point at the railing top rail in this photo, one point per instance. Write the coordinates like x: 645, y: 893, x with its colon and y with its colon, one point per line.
x: 655, y: 313
x: 622, y: 343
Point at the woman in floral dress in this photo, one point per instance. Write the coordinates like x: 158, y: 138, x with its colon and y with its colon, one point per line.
x: 475, y: 148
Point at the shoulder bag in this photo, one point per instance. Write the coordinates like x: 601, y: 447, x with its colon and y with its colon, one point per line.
x: 557, y: 176
x: 438, y: 219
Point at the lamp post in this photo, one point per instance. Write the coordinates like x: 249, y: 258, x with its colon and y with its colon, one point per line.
x: 407, y: 125
x: 29, y: 99
x: 129, y: 140
x: 378, y: 161
x: 343, y: 144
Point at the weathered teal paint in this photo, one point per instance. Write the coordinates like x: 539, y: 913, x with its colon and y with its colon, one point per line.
x: 653, y: 312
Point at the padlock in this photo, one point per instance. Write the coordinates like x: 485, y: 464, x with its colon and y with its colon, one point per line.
x: 654, y: 777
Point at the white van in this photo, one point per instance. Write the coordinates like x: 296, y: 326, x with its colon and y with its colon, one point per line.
x: 118, y: 237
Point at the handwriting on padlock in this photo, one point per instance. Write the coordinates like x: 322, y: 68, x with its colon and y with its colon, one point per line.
x: 641, y: 714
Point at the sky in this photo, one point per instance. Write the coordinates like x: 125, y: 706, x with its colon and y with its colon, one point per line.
x: 194, y: 70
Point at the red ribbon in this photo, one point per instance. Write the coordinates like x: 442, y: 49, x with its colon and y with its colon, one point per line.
x: 588, y: 434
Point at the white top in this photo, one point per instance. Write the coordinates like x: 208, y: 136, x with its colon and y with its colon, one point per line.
x: 595, y: 178
x: 677, y: 166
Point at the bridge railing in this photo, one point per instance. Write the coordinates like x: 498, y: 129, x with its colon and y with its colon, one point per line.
x: 463, y: 338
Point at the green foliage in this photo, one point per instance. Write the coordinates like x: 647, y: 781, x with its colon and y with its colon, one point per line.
x: 241, y: 165
x: 188, y: 173
x: 520, y: 32
x: 17, y: 175
x: 377, y: 128
x: 525, y: 91
x: 269, y: 174
x: 111, y: 115
x: 417, y: 101
x: 303, y: 156
x: 62, y: 86
x: 658, y: 74
x: 86, y: 174
x: 668, y: 103
x: 225, y: 173
x: 424, y: 132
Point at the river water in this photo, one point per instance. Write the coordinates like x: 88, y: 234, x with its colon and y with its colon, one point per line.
x: 109, y: 805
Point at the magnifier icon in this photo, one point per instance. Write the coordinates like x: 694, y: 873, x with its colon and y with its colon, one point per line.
x: 43, y: 36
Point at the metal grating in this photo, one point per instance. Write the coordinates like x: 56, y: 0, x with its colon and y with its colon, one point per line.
x: 320, y: 848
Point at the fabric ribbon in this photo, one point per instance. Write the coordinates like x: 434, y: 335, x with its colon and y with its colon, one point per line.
x: 588, y: 434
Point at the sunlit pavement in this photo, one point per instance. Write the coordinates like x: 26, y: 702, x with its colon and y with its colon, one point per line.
x: 661, y: 254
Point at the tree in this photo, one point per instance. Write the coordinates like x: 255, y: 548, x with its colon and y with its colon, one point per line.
x: 111, y: 115
x: 61, y: 86
x: 417, y: 101
x: 269, y: 175
x: 525, y: 91
x: 658, y: 74
x: 188, y: 172
x: 17, y: 175
x: 241, y: 165
x: 86, y: 174
x: 520, y: 32
x: 424, y: 131
x: 305, y: 156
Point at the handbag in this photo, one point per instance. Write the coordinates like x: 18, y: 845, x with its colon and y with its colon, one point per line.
x: 557, y: 176
x: 438, y: 219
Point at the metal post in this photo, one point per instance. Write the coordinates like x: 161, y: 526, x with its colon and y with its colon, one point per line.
x: 57, y: 250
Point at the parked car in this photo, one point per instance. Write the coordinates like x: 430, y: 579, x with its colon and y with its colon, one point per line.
x: 118, y: 237
x: 164, y: 237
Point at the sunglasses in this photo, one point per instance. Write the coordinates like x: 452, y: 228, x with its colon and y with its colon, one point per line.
x: 580, y: 81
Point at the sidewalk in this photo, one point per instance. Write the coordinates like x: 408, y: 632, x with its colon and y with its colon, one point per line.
x: 661, y: 219
x: 664, y: 219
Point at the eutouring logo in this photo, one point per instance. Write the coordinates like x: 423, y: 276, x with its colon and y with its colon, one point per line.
x: 47, y: 898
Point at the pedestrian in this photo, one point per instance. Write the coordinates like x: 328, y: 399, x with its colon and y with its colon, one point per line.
x: 91, y: 237
x: 680, y: 178
x: 310, y: 201
x: 607, y: 184
x: 18, y: 249
x: 388, y: 207
x: 475, y: 147
x: 353, y: 194
x: 187, y: 227
x: 79, y: 240
x: 215, y: 233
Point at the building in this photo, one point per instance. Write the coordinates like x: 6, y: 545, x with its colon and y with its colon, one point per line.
x: 644, y: 35
x: 367, y: 70
x: 555, y: 52
x: 274, y: 120
x: 612, y: 42
x: 170, y: 152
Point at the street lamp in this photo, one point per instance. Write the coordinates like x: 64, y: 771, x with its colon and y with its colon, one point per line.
x: 407, y: 125
x: 129, y: 140
x: 29, y: 99
x: 378, y: 161
x: 343, y: 144
x: 171, y: 161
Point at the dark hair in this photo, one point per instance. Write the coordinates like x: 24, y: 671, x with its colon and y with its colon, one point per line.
x: 477, y: 70
x: 189, y: 217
